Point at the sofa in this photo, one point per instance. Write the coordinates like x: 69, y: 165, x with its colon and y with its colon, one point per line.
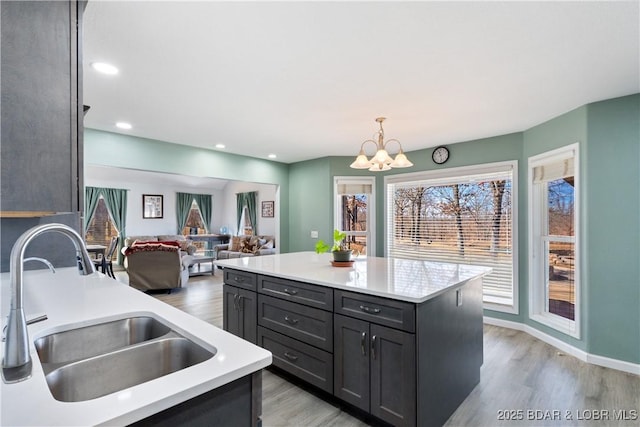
x: 157, y: 262
x: 246, y: 246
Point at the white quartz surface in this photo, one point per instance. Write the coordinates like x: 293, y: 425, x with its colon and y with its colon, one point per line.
x: 396, y: 278
x: 69, y: 299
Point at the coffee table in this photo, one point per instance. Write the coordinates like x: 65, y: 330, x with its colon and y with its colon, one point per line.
x: 199, y: 259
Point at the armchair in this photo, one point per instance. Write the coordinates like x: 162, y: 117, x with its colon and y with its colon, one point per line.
x: 156, y: 266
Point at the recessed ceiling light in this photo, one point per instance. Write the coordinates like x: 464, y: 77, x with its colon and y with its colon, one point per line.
x: 221, y: 146
x: 104, y: 68
x: 123, y: 125
x: 272, y: 156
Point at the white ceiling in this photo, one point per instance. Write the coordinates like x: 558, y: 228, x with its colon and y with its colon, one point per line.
x: 307, y: 79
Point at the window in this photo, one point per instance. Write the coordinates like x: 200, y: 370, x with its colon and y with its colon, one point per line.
x: 461, y: 215
x: 553, y: 279
x: 194, y: 224
x: 354, y: 208
x: 101, y: 228
x: 247, y: 227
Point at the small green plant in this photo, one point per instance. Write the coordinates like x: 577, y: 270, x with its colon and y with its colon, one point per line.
x: 339, y: 243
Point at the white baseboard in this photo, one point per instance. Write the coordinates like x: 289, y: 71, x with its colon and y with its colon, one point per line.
x: 607, y: 362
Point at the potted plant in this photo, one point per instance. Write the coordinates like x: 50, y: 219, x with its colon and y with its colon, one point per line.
x: 340, y: 250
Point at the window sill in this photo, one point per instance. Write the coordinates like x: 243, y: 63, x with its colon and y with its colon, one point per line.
x: 497, y: 304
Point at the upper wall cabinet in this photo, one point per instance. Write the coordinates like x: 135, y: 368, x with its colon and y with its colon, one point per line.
x: 41, y: 151
x: 41, y: 162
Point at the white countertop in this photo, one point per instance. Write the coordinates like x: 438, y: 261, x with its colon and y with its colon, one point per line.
x: 70, y: 299
x: 397, y: 278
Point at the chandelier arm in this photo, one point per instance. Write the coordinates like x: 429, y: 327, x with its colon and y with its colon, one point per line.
x: 393, y: 140
x: 364, y: 142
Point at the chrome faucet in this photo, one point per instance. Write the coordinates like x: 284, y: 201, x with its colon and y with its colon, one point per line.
x: 16, y: 365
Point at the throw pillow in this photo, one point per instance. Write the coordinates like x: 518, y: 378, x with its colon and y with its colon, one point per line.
x: 268, y: 245
x: 234, y: 244
x: 247, y: 247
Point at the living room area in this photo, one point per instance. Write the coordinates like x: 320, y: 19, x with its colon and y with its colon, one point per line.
x: 150, y: 220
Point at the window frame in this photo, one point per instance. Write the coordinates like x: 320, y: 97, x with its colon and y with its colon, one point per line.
x: 538, y: 271
x: 370, y: 234
x: 461, y: 172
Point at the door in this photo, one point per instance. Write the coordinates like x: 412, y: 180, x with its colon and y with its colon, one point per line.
x: 393, y: 375
x: 351, y: 361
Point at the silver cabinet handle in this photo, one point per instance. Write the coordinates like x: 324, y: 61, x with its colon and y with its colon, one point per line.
x: 369, y: 309
x: 238, y: 279
x: 290, y: 320
x: 373, y: 346
x: 290, y: 356
x: 235, y: 302
x: 363, y: 341
x: 290, y: 291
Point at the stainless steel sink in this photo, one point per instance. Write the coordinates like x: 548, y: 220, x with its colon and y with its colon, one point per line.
x: 111, y: 372
x: 88, y: 341
x: 93, y: 361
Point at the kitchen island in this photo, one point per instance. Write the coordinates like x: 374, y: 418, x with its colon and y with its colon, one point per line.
x: 71, y: 301
x: 396, y: 338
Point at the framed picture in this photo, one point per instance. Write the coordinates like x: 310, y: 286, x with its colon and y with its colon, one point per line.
x: 151, y: 206
x: 267, y: 209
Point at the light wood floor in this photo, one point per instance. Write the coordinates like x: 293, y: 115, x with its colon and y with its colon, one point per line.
x: 521, y: 378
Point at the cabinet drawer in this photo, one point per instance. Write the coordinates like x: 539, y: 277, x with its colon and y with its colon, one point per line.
x: 302, y: 360
x: 383, y: 311
x: 240, y: 279
x: 303, y: 293
x: 306, y: 324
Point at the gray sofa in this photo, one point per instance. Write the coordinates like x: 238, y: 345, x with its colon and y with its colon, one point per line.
x: 246, y: 246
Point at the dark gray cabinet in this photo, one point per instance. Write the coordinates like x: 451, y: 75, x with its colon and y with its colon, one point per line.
x: 408, y: 364
x: 239, y: 313
x: 374, y: 369
x: 41, y: 121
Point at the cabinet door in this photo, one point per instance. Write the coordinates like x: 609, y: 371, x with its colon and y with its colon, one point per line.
x: 393, y: 375
x: 239, y: 316
x: 351, y: 361
x: 230, y: 316
x: 248, y: 318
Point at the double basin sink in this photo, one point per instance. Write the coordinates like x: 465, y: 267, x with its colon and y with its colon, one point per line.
x: 93, y: 361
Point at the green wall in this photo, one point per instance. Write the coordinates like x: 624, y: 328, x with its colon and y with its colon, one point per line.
x: 117, y: 150
x: 311, y: 195
x: 613, y: 228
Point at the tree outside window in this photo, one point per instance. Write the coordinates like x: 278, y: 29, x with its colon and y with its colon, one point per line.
x: 101, y: 228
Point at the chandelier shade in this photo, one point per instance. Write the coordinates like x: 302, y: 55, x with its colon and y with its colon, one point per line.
x: 381, y: 160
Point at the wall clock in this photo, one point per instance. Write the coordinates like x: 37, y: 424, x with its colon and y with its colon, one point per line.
x: 440, y: 155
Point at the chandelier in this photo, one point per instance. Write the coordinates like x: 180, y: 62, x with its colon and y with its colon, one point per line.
x: 381, y: 161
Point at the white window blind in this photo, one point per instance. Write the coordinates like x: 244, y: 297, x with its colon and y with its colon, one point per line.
x: 554, y: 170
x: 466, y: 219
x: 354, y: 188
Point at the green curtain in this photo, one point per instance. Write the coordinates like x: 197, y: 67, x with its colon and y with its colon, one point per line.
x: 206, y: 207
x: 183, y: 207
x: 116, y: 202
x: 248, y: 200
x: 239, y: 208
x: 91, y: 197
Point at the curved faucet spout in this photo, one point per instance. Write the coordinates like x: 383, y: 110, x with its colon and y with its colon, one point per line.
x: 16, y: 365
